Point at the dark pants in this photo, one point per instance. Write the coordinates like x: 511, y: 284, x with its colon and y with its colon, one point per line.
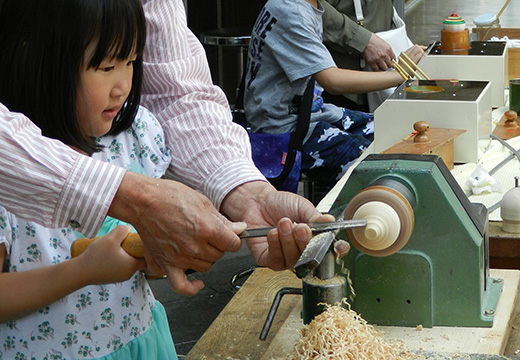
x: 332, y: 148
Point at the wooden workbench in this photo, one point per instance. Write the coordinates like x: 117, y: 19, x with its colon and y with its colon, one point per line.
x: 234, y: 335
x: 504, y: 247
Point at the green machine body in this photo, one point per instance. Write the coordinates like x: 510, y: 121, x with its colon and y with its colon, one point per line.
x: 440, y: 275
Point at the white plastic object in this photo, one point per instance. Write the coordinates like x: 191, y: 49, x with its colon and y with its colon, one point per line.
x: 510, y: 209
x: 485, y: 19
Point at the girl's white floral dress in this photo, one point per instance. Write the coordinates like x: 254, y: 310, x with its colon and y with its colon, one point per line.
x: 96, y: 320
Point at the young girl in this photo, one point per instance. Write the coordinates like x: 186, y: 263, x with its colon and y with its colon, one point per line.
x: 285, y: 50
x: 74, y: 68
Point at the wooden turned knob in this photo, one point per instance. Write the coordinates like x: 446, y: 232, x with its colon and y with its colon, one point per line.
x: 510, y: 115
x: 510, y: 118
x: 421, y: 127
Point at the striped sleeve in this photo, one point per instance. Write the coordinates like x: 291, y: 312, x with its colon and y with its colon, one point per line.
x: 209, y: 152
x: 45, y: 181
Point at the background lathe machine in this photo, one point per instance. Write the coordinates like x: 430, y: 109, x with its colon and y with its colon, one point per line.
x: 432, y: 268
x: 483, y: 61
x: 450, y: 104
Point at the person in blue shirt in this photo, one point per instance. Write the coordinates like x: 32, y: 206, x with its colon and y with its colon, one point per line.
x: 285, y: 51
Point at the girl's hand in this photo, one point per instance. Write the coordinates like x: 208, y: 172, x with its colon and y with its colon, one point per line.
x: 105, y: 261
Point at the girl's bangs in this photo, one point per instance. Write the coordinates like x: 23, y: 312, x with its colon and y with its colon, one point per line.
x: 120, y: 32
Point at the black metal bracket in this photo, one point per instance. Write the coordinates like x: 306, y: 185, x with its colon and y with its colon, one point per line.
x: 274, y: 307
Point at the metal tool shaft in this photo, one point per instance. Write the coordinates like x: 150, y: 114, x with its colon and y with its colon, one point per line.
x: 315, y: 228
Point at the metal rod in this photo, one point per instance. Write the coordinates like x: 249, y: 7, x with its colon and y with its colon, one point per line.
x: 326, y: 269
x: 315, y: 227
x: 274, y: 307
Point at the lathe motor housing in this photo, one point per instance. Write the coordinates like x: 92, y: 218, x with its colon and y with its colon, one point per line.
x: 441, y: 275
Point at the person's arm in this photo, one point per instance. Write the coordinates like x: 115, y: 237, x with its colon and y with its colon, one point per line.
x: 340, y: 31
x: 378, y: 54
x: 343, y: 81
x: 103, y: 262
x: 345, y: 35
x: 210, y: 153
x: 179, y: 226
x: 49, y: 183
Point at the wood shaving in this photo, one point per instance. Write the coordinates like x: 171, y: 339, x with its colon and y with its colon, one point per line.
x: 345, y: 271
x: 339, y: 333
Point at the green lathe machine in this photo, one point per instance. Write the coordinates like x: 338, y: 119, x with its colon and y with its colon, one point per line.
x: 423, y: 257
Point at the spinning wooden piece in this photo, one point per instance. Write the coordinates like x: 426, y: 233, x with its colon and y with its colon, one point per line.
x: 510, y: 118
x: 389, y: 216
x: 507, y: 127
x: 428, y: 140
x: 383, y: 225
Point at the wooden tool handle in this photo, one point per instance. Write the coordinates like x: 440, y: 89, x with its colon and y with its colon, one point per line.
x: 400, y: 70
x: 132, y: 244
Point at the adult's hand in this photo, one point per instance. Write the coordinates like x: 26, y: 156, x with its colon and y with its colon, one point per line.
x: 259, y: 204
x: 378, y: 54
x: 180, y: 227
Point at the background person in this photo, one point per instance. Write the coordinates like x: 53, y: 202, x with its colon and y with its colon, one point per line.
x: 285, y: 51
x: 349, y: 42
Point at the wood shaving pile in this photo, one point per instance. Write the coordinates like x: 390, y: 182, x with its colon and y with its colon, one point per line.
x: 341, y: 334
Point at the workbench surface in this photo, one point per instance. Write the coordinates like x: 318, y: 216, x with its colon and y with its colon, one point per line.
x: 234, y: 335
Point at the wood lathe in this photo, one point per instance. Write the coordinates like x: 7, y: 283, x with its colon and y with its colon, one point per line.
x: 422, y: 258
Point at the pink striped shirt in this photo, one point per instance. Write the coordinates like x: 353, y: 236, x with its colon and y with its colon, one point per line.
x: 210, y: 153
x: 45, y: 181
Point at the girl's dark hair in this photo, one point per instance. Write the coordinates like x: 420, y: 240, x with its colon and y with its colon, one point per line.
x: 43, y: 45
